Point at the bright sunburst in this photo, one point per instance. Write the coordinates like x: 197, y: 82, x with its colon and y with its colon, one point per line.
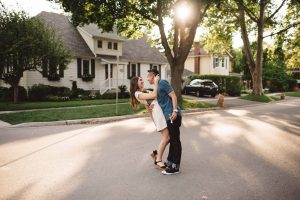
x: 183, y: 11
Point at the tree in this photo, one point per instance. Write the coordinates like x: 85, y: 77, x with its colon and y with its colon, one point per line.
x: 252, y: 17
x: 28, y: 45
x: 133, y: 15
x: 291, y: 37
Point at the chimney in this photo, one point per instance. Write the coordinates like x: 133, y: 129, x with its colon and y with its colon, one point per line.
x: 197, y: 57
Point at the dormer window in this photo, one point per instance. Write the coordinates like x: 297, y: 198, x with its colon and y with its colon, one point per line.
x: 115, y: 46
x: 100, y: 44
x: 109, y: 45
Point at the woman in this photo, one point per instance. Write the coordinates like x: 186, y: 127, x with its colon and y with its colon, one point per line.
x: 137, y: 96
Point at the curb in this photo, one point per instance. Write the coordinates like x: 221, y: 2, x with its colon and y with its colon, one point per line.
x: 124, y: 117
x: 101, y: 120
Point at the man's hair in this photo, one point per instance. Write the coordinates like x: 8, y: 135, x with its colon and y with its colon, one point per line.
x: 154, y: 71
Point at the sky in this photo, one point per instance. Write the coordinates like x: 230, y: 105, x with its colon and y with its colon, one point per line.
x: 34, y: 7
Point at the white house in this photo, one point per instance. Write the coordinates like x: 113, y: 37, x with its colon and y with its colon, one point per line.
x: 201, y: 62
x: 109, y: 60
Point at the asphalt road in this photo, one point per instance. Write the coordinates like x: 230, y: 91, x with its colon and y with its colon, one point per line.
x: 239, y: 154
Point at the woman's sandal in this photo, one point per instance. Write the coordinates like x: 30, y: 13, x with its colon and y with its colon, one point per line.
x: 153, y: 155
x: 160, y: 166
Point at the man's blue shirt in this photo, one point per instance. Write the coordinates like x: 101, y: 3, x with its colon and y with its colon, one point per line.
x: 163, y: 98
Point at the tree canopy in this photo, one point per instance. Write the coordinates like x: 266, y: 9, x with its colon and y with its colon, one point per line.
x: 27, y: 44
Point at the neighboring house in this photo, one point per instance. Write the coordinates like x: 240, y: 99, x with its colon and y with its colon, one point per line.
x: 296, y: 74
x: 101, y: 61
x: 201, y: 62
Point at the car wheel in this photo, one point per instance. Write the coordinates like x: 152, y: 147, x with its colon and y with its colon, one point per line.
x: 213, y: 95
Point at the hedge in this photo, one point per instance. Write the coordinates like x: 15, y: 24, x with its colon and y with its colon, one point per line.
x: 230, y: 85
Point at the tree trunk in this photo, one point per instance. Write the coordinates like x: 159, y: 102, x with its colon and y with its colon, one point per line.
x: 257, y: 81
x: 16, y: 93
x: 176, y: 80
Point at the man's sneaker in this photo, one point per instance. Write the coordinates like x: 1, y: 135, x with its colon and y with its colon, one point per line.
x: 171, y: 171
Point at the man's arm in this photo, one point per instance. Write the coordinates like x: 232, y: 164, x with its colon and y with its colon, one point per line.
x: 174, y: 103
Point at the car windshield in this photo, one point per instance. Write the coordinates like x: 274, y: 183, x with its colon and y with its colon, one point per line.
x: 195, y: 82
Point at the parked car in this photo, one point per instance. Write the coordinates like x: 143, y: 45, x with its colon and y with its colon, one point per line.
x: 201, y: 87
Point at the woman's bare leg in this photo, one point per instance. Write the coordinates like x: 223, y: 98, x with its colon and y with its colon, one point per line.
x: 165, y: 137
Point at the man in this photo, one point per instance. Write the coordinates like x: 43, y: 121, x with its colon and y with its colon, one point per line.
x: 168, y: 102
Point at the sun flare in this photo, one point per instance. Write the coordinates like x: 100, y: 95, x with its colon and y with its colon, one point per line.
x: 182, y: 11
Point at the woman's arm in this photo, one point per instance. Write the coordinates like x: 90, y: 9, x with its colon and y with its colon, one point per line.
x: 151, y: 95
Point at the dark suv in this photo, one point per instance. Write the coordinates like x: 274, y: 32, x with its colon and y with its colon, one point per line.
x: 201, y: 87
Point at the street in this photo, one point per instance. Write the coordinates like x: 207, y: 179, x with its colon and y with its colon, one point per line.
x: 238, y: 154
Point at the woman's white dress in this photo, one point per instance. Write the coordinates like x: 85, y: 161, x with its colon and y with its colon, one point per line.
x: 157, y: 113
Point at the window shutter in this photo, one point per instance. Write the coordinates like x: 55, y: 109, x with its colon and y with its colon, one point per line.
x: 150, y: 66
x: 214, y: 62
x: 79, y: 67
x: 128, y: 71
x: 106, y: 71
x: 61, y: 71
x: 93, y: 67
x: 159, y: 69
x: 111, y: 70
x: 139, y: 69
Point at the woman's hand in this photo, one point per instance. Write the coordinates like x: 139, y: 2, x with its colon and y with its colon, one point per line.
x: 156, y: 79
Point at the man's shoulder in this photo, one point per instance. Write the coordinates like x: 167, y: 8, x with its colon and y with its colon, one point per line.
x: 163, y: 82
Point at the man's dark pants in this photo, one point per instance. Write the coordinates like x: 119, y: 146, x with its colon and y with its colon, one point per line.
x: 175, y: 143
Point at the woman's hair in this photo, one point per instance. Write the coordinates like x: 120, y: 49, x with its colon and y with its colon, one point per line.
x: 133, y: 88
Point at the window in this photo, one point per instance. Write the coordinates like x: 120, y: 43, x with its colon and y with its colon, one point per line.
x: 106, y: 71
x: 216, y: 62
x: 109, y: 45
x: 133, y: 70
x: 99, y: 43
x: 86, y: 66
x: 223, y: 62
x: 115, y: 46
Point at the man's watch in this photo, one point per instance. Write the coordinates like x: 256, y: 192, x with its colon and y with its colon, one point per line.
x: 175, y: 110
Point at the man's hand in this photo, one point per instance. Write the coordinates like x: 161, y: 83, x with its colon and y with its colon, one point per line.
x: 174, y: 116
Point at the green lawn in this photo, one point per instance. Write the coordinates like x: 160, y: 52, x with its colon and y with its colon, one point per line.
x: 293, y: 94
x: 39, y: 105
x: 264, y: 98
x: 85, y: 112
x: 191, y: 104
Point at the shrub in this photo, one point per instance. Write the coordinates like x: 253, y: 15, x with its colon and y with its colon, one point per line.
x: 4, y: 94
x: 22, y: 94
x: 231, y: 85
x: 123, y: 89
x: 113, y: 95
x: 51, y: 98
x: 38, y: 92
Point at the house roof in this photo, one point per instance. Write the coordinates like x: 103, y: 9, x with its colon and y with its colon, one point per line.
x: 95, y: 31
x: 141, y: 50
x: 205, y: 53
x: 138, y: 50
x: 67, y: 32
x: 202, y: 52
x: 185, y: 73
